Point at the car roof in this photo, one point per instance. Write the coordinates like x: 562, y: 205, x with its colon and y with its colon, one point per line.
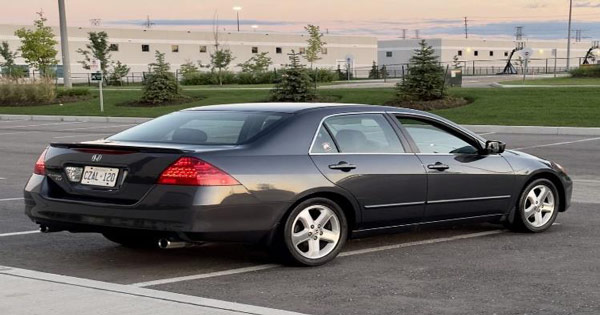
x: 294, y: 107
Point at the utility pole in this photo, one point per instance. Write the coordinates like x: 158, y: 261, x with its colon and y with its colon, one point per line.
x: 417, y: 34
x: 466, y: 27
x: 404, y: 33
x: 64, y: 45
x: 578, y: 35
x: 569, y: 35
x: 237, y: 14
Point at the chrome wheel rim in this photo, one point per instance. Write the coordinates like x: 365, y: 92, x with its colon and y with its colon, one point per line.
x: 539, y: 206
x: 315, y: 232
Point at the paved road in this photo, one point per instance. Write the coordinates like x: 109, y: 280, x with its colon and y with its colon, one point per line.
x: 465, y: 269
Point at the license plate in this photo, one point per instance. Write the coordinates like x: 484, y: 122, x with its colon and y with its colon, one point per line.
x: 100, y: 176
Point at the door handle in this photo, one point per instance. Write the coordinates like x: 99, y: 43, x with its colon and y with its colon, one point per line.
x: 342, y: 166
x: 438, y: 166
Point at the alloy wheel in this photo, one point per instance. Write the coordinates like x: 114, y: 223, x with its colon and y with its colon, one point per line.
x: 315, y: 232
x: 539, y: 206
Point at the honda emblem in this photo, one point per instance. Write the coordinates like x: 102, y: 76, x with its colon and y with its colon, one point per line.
x: 96, y: 157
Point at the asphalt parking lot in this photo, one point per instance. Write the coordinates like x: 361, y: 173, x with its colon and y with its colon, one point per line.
x: 477, y: 269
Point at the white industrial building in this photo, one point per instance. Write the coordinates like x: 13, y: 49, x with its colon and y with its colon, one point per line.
x: 484, y: 56
x: 136, y: 47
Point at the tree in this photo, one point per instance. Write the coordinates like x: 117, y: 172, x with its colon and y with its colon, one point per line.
x: 8, y: 67
x: 258, y: 63
x: 315, y: 44
x: 160, y: 86
x: 295, y: 84
x: 425, y: 79
x: 374, y: 72
x: 99, y: 49
x: 37, y: 46
x: 220, y: 60
x: 119, y: 71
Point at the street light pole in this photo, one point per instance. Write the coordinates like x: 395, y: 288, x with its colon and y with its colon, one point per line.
x: 64, y: 45
x: 237, y: 12
x: 569, y: 36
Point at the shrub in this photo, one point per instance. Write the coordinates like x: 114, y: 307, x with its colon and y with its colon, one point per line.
x: 589, y: 71
x: 199, y: 78
x: 73, y: 92
x: 22, y: 93
x: 322, y: 75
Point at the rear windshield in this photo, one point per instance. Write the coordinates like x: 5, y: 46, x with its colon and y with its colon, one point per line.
x: 203, y: 128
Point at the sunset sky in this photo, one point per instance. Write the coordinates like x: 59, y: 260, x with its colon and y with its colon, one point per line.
x: 542, y: 19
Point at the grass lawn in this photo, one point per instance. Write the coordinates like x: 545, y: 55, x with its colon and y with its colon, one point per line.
x: 526, y: 106
x: 556, y: 81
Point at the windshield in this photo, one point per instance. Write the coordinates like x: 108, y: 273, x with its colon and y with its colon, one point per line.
x: 202, y: 128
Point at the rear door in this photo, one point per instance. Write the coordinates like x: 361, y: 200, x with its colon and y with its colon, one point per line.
x: 363, y: 154
x: 461, y: 181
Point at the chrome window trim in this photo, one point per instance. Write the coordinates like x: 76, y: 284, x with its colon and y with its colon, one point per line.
x: 348, y: 153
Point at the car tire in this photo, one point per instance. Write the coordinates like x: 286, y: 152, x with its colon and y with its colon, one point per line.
x: 314, y: 233
x: 132, y: 240
x: 537, y: 207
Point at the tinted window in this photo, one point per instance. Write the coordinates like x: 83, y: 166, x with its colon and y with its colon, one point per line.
x: 369, y: 133
x: 432, y: 139
x: 202, y: 127
x: 324, y: 143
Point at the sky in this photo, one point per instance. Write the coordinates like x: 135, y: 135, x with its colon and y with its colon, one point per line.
x: 541, y: 19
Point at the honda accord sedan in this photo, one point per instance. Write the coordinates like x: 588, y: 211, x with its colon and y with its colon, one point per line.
x: 301, y: 178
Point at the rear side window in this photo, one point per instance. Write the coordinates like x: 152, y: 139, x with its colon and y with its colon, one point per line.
x: 324, y: 143
x: 368, y: 133
x: 202, y: 128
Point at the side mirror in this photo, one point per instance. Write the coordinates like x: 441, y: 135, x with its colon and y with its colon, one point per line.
x: 494, y: 147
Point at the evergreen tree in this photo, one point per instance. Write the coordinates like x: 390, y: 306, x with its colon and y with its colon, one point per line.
x: 160, y: 86
x: 374, y: 72
x: 295, y: 83
x: 425, y: 79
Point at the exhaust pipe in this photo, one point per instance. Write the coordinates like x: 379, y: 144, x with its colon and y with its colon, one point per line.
x: 47, y: 229
x: 165, y: 243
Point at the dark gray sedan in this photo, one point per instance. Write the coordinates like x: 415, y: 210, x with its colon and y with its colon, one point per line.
x: 301, y: 178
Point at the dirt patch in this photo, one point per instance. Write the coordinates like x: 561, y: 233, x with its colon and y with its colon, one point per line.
x: 447, y: 102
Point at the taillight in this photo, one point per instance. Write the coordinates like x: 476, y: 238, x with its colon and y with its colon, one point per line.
x: 40, y: 165
x: 189, y: 171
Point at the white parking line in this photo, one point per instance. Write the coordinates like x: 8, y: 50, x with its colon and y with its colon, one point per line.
x: 78, y: 293
x: 63, y: 130
x: 19, y: 233
x: 83, y: 135
x: 12, y: 199
x: 557, y: 143
x: 343, y: 254
x: 48, y: 124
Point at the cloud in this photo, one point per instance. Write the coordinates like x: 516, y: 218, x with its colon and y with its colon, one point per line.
x: 199, y: 22
x: 536, y: 5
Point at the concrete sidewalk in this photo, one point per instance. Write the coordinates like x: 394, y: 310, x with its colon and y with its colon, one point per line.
x: 31, y: 292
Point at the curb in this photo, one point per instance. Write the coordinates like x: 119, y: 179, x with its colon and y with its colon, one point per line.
x: 570, y: 131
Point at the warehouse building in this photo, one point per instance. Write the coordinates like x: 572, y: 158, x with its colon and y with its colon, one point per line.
x: 136, y: 47
x: 482, y: 56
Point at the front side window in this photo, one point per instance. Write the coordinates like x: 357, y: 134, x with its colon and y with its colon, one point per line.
x: 368, y: 133
x: 432, y: 139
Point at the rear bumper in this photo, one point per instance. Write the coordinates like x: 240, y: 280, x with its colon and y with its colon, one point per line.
x: 226, y: 213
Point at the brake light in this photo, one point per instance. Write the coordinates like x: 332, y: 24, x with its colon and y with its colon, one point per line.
x: 40, y: 165
x: 189, y: 171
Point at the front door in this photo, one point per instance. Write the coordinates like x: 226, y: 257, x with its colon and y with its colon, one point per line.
x: 363, y: 154
x: 461, y: 181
